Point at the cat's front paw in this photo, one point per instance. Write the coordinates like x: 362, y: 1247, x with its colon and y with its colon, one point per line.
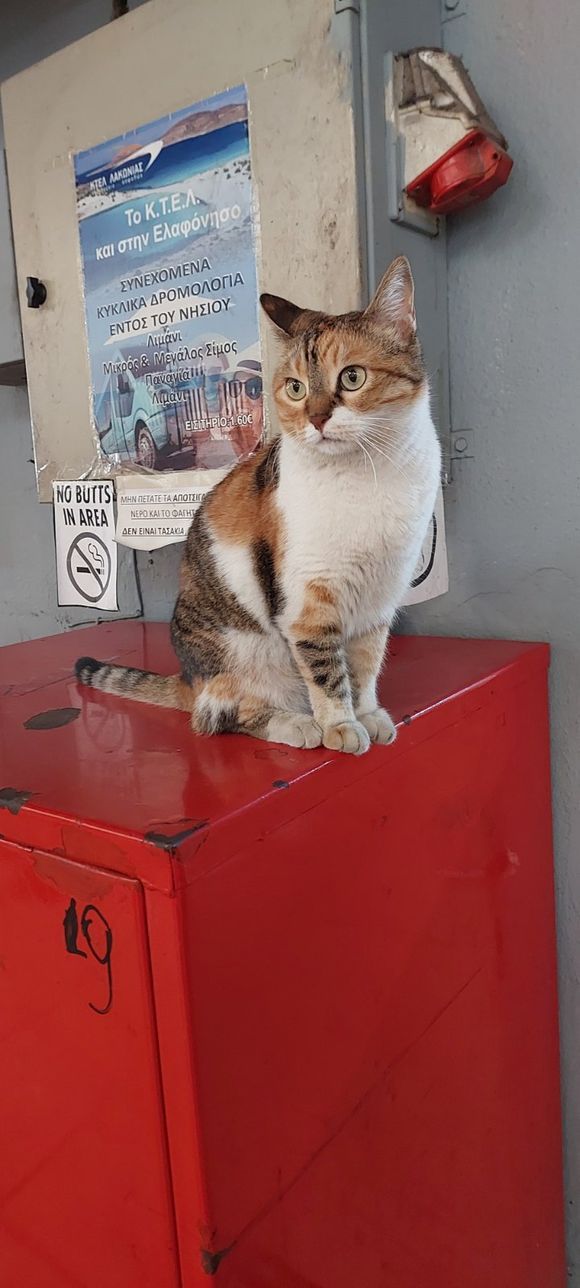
x: 350, y: 736
x: 379, y: 726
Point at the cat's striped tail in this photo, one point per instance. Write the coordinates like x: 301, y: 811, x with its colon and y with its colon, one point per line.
x: 140, y: 686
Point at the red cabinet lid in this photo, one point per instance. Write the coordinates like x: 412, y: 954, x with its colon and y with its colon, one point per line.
x: 132, y: 789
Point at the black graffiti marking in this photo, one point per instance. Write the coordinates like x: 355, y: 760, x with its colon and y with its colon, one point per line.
x: 431, y: 560
x: 71, y: 930
x: 105, y: 960
x: 90, y: 916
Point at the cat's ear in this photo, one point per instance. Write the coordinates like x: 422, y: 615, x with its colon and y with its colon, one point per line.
x: 393, y: 303
x: 284, y: 315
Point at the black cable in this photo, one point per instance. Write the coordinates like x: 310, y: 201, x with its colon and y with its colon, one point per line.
x: 138, y: 586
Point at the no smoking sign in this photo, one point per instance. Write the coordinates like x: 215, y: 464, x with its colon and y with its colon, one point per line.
x: 89, y: 566
x: 86, y: 551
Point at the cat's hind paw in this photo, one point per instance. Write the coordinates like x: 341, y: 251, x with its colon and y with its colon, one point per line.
x: 294, y: 729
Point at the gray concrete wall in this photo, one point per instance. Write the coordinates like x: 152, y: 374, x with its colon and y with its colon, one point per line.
x: 514, y: 514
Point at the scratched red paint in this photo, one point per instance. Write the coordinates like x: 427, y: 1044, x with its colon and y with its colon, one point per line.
x: 284, y: 1019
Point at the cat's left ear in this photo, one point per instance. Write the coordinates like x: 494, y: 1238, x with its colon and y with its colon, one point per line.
x: 393, y: 303
x: 283, y: 314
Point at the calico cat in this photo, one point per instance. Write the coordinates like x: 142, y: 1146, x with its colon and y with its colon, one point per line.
x: 296, y: 563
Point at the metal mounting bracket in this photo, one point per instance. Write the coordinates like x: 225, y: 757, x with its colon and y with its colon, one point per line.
x: 400, y: 208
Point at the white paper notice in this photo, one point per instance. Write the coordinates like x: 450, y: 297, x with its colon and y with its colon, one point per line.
x: 156, y: 511
x: 431, y: 575
x: 86, y: 551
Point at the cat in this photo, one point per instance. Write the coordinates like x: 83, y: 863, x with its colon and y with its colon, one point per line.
x: 298, y: 560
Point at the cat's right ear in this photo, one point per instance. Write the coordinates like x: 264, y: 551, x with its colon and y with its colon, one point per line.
x: 283, y: 314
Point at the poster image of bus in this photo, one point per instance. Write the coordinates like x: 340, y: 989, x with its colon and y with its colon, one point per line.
x: 166, y: 217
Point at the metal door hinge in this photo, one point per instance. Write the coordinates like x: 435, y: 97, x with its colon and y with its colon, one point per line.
x: 460, y: 449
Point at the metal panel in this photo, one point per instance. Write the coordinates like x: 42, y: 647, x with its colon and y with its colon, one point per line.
x: 374, y: 1022
x: 295, y: 58
x: 10, y: 336
x: 85, y: 1187
x: 190, y: 800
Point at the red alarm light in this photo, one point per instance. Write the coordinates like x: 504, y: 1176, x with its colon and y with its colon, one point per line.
x: 468, y: 172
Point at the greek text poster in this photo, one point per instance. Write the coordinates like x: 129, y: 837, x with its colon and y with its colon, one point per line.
x: 149, y: 516
x: 167, y: 238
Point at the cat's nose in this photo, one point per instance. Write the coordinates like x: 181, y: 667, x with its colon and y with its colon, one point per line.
x: 319, y: 422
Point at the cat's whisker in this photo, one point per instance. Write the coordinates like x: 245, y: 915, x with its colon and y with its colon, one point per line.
x: 375, y: 434
x: 390, y: 439
x: 377, y: 420
x: 378, y: 431
x: 359, y: 444
x: 393, y: 464
x: 369, y: 458
x: 381, y: 422
x: 383, y: 434
x: 385, y: 445
x: 391, y: 460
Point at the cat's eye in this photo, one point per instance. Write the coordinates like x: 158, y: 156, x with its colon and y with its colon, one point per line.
x: 352, y: 378
x: 296, y: 390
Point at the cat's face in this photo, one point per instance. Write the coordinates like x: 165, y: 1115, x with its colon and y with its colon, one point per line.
x: 348, y: 380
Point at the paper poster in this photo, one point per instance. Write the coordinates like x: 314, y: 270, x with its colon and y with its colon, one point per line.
x: 86, y: 551
x: 167, y: 238
x: 431, y: 575
x: 158, y: 512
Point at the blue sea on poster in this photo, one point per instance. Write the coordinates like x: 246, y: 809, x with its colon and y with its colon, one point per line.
x: 167, y: 236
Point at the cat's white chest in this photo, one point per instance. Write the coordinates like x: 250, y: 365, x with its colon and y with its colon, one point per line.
x: 357, y: 529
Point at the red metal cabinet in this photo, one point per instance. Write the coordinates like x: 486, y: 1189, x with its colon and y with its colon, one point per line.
x: 283, y: 1018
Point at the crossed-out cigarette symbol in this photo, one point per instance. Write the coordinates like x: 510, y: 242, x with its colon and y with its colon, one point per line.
x: 89, y: 566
